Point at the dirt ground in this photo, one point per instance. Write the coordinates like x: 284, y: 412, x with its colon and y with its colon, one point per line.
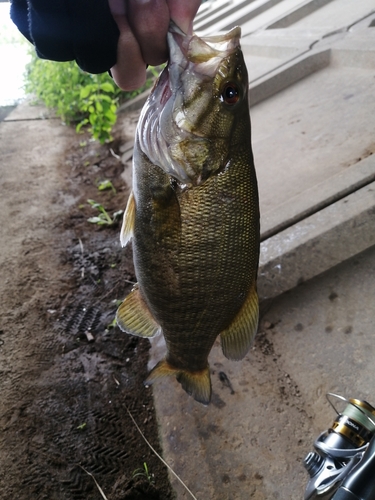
x: 68, y: 379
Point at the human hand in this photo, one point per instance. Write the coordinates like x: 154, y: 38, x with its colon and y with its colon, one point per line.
x: 143, y: 26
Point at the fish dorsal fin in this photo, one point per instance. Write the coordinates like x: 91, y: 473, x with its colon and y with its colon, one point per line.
x: 128, y: 221
x: 134, y: 317
x: 236, y: 340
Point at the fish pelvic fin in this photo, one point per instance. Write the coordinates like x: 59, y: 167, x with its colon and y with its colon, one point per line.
x: 127, y: 228
x: 196, y: 384
x: 134, y: 317
x: 236, y: 340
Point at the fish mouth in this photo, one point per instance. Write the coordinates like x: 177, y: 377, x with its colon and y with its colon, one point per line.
x: 164, y: 123
x: 202, y: 55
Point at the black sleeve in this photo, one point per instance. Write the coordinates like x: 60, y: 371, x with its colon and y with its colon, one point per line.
x: 66, y: 30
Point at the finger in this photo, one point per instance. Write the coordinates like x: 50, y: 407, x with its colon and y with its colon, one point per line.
x: 183, y: 12
x: 149, y: 21
x: 129, y: 72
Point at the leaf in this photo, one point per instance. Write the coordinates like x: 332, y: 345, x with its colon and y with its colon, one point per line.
x: 106, y: 98
x: 85, y: 91
x: 96, y: 220
x: 107, y: 87
x: 107, y: 184
x: 81, y: 124
x: 117, y: 214
x: 95, y: 204
x: 99, y: 106
x: 92, y: 118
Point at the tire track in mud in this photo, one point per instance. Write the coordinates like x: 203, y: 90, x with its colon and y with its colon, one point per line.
x: 61, y: 407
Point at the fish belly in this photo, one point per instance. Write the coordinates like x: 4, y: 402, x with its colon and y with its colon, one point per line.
x: 195, y: 254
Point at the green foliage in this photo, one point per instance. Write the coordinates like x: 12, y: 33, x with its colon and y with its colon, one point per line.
x: 106, y: 184
x: 144, y: 472
x: 97, y: 102
x: 103, y: 218
x: 112, y: 324
x: 78, y: 97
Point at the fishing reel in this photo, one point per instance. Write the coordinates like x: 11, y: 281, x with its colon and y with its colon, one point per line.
x: 342, y: 467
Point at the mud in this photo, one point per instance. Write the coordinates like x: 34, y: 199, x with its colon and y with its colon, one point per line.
x: 68, y: 378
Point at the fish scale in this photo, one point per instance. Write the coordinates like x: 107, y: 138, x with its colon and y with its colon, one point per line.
x: 194, y: 213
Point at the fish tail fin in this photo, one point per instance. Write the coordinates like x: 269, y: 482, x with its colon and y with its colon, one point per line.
x: 197, y: 384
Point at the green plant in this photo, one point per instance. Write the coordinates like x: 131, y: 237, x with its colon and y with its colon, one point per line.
x: 101, y: 108
x: 103, y: 185
x: 144, y: 472
x: 78, y: 97
x: 112, y: 324
x: 103, y: 218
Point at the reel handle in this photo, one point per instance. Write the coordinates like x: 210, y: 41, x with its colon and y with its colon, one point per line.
x: 360, y: 484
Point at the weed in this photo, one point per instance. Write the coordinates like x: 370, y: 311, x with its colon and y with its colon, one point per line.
x: 103, y: 218
x: 103, y: 185
x: 117, y: 302
x: 144, y: 473
x: 112, y: 324
x: 78, y: 97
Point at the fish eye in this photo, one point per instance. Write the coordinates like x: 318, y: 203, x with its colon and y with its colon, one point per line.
x: 230, y: 94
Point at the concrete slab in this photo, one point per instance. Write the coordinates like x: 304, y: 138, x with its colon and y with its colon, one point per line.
x: 29, y: 110
x: 318, y: 197
x: 334, y: 15
x: 279, y: 43
x: 355, y: 50
x: 4, y: 111
x: 286, y: 73
x: 221, y: 10
x: 317, y: 128
x: 277, y: 11
x: 293, y: 15
x: 317, y: 243
x: 250, y: 442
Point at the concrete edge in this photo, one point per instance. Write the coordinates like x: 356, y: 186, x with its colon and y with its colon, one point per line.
x: 208, y: 8
x: 200, y: 22
x: 5, y: 111
x: 245, y: 10
x: 318, y: 197
x: 282, y: 77
x: 317, y: 243
x: 297, y: 14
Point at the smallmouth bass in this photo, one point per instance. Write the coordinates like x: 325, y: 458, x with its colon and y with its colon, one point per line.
x: 193, y: 213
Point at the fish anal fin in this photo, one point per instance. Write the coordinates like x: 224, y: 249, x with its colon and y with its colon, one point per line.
x: 127, y: 228
x: 134, y: 317
x: 197, y: 384
x: 236, y: 340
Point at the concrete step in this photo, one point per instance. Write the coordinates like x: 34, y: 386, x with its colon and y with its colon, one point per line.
x: 319, y: 242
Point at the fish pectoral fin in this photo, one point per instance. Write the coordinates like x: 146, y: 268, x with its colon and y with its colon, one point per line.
x: 127, y: 228
x: 236, y: 340
x: 134, y: 317
x: 196, y: 384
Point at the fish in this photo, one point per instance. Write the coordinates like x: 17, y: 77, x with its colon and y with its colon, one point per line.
x: 193, y: 213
